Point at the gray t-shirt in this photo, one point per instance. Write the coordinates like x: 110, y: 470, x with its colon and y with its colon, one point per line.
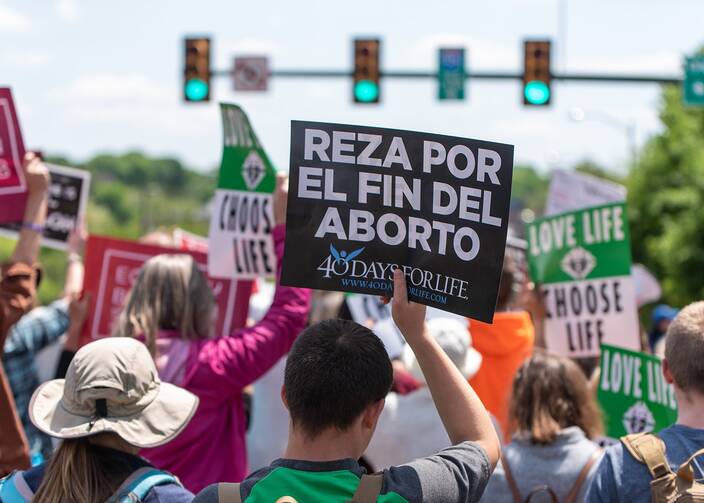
x: 456, y: 474
x: 557, y: 465
x: 621, y: 477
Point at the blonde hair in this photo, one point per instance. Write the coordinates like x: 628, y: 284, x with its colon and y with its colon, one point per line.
x: 551, y: 393
x: 77, y: 473
x: 684, y: 347
x: 170, y: 293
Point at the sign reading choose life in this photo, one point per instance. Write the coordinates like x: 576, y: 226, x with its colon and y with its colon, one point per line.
x: 582, y: 260
x: 240, y: 227
x: 365, y: 201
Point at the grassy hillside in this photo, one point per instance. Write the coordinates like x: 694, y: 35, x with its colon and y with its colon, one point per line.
x: 131, y: 194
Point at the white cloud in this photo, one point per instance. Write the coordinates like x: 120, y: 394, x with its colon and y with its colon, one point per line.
x: 68, y: 9
x: 12, y: 21
x: 25, y: 58
x: 114, y: 87
x: 662, y: 62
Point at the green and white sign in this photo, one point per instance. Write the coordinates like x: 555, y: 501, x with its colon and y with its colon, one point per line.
x: 693, y: 84
x: 582, y: 262
x: 240, y: 244
x: 633, y: 393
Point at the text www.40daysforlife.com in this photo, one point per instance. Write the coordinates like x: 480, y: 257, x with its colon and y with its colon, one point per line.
x: 418, y: 293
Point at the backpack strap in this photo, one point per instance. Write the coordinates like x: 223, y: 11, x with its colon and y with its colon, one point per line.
x: 649, y: 450
x: 229, y: 493
x: 542, y: 489
x: 140, y: 483
x: 14, y: 489
x: 369, y: 488
x: 685, y: 470
x: 510, y: 481
x: 572, y: 495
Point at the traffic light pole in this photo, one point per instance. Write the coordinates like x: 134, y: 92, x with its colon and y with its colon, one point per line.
x: 412, y: 74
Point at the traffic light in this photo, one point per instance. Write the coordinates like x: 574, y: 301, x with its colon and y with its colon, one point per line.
x: 536, y: 72
x: 196, y: 70
x: 366, y: 70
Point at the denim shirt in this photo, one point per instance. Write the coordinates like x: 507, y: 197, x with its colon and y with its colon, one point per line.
x: 33, y: 332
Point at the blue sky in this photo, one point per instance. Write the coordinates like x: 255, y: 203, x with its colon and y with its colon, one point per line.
x: 101, y: 76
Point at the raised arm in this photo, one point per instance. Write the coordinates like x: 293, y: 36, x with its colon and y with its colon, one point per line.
x: 459, y: 407
x: 244, y: 356
x: 37, y: 176
x: 75, y: 271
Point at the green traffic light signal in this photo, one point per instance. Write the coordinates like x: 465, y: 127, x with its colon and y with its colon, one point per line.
x: 536, y: 92
x: 196, y: 90
x: 366, y: 91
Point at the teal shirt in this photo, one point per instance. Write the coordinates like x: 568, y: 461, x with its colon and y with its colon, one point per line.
x: 458, y: 474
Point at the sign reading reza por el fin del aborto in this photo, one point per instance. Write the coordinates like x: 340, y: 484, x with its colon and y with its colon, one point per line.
x: 365, y: 201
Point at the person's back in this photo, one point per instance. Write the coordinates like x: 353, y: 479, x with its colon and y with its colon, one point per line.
x: 621, y: 477
x: 171, y: 307
x: 337, y: 375
x: 409, y: 426
x: 504, y: 345
x: 110, y: 405
x: 555, y: 416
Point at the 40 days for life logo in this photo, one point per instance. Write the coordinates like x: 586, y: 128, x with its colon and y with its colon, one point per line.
x: 338, y: 262
x: 378, y: 275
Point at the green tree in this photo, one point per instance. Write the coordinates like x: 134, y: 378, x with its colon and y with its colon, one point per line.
x: 589, y: 167
x: 529, y: 188
x: 666, y: 201
x: 131, y: 194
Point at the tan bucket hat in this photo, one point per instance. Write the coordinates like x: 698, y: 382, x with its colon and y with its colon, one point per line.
x: 112, y: 385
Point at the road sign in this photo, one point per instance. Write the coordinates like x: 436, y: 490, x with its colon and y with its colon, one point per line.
x: 693, y: 84
x: 251, y: 73
x: 451, y: 74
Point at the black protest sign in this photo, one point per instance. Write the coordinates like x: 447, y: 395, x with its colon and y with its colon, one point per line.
x: 364, y: 201
x: 68, y: 197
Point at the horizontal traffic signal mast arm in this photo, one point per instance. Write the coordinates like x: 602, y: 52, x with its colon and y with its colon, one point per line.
x: 483, y: 75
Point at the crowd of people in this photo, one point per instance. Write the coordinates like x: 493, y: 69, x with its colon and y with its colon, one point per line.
x: 306, y: 405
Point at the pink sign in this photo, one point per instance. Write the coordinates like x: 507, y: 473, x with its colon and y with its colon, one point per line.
x: 13, y: 189
x: 112, y: 266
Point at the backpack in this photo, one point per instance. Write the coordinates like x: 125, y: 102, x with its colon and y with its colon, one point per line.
x: 14, y: 489
x: 667, y: 486
x: 368, y: 491
x: 571, y: 496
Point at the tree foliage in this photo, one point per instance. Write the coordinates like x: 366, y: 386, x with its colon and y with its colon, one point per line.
x: 666, y: 201
x: 529, y: 188
x: 130, y: 195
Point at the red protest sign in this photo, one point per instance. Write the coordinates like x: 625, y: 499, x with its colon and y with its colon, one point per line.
x: 13, y: 189
x: 112, y: 266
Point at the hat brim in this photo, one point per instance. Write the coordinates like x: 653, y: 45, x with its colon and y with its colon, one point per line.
x: 159, y: 422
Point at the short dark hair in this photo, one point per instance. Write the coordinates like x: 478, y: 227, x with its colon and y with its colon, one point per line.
x: 336, y: 368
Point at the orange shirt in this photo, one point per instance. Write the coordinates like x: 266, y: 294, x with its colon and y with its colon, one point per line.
x: 504, y: 346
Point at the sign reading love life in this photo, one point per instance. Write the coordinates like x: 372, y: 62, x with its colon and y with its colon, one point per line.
x: 365, y: 201
x: 633, y: 393
x: 582, y: 261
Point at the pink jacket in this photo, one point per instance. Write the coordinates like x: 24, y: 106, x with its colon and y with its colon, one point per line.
x: 212, y: 448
